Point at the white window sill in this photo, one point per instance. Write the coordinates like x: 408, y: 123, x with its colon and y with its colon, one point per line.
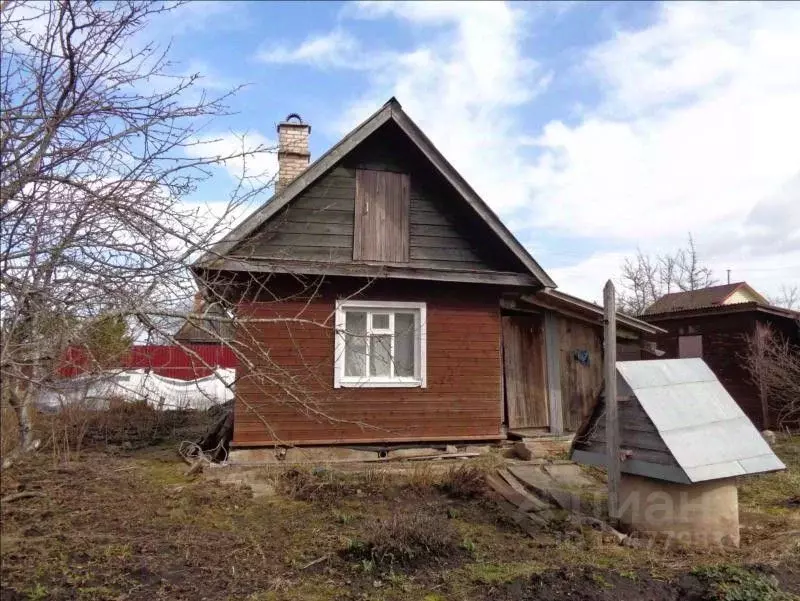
x: 380, y: 384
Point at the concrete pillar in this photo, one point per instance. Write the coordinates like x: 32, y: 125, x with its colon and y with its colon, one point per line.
x: 706, y: 513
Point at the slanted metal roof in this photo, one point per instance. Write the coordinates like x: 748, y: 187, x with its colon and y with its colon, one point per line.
x: 704, y: 429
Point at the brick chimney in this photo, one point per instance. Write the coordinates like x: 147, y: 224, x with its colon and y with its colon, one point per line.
x: 198, y: 302
x: 293, y: 154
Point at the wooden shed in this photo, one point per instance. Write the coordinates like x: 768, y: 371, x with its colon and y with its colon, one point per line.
x: 713, y: 324
x: 683, y: 440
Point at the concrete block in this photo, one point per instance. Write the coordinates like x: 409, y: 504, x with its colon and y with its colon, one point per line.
x: 549, y: 447
x: 262, y: 455
x: 482, y: 449
x: 327, y: 454
x: 415, y: 452
x: 569, y: 475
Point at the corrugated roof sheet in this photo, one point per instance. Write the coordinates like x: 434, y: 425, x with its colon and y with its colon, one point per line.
x: 703, y: 427
x: 697, y: 299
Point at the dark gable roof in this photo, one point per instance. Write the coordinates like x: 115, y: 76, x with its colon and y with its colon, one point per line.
x: 697, y: 299
x: 391, y: 111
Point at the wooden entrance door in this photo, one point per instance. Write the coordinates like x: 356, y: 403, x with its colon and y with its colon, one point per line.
x: 524, y: 371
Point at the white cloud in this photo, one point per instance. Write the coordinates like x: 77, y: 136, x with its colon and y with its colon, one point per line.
x: 698, y: 131
x: 252, y: 155
x: 334, y: 49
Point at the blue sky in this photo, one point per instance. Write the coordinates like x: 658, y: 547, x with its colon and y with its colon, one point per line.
x: 591, y: 128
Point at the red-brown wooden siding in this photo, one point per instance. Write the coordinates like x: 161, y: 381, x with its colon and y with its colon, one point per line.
x: 462, y: 399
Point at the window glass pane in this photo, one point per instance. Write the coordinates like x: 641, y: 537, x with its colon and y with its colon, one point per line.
x: 355, y: 343
x: 404, y: 344
x: 380, y: 321
x: 380, y: 355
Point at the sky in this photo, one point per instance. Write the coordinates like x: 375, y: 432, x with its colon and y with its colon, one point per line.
x: 592, y: 129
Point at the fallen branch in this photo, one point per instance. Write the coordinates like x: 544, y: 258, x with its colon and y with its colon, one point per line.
x: 26, y: 494
x: 315, y: 562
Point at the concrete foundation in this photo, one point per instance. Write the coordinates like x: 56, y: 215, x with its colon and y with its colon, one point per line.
x: 336, y: 454
x: 700, y: 514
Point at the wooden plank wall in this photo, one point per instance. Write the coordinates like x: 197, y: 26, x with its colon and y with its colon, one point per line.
x: 723, y: 347
x: 291, y: 387
x: 319, y: 224
x: 580, y: 384
x: 381, y: 217
x: 525, y: 378
x: 637, y: 432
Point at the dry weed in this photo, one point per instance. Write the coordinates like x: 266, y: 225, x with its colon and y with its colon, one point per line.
x: 406, y: 539
x: 464, y: 482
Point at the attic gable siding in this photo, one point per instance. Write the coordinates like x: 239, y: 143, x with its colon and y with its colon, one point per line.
x: 318, y: 225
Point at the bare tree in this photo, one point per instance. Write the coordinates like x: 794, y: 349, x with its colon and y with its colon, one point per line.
x: 774, y: 366
x: 647, y: 278
x: 99, y: 147
x: 788, y: 297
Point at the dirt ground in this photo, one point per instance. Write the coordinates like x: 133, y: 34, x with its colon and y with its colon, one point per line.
x: 130, y: 526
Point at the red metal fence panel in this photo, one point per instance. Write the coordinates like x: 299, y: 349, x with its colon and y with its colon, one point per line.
x: 196, y: 361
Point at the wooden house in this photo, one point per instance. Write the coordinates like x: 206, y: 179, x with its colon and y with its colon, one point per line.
x: 381, y: 301
x: 713, y: 324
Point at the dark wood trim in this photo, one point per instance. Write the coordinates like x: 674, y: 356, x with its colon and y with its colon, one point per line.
x: 351, y: 441
x: 370, y: 271
x: 555, y: 301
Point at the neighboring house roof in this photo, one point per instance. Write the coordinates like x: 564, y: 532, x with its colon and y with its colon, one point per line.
x: 705, y: 431
x: 723, y: 310
x: 706, y: 297
x: 218, y: 256
x: 204, y: 329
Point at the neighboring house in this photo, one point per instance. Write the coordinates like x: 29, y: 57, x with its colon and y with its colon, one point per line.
x: 713, y: 324
x: 212, y: 326
x: 380, y: 300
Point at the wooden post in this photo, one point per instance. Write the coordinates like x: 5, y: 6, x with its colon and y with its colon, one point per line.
x: 610, y: 376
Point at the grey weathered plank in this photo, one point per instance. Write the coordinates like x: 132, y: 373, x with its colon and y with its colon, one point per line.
x: 286, y: 226
x: 440, y: 231
x: 301, y: 215
x: 441, y: 242
x: 444, y: 254
x: 284, y: 239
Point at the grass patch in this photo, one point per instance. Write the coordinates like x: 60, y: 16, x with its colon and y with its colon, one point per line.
x: 773, y: 492
x: 734, y: 583
x: 500, y: 573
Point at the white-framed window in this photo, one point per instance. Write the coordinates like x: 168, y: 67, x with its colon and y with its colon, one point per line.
x: 379, y: 344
